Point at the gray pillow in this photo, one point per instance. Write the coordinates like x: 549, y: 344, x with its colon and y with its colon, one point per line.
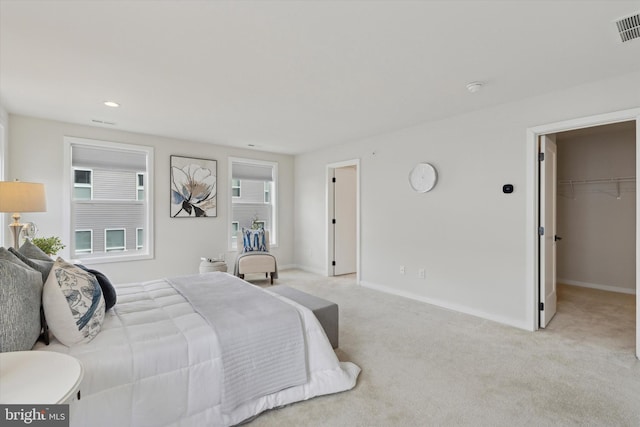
x: 43, y: 267
x: 11, y: 257
x: 31, y: 251
x: 20, y: 299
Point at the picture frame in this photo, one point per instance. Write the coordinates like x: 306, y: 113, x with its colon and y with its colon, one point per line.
x: 193, y: 187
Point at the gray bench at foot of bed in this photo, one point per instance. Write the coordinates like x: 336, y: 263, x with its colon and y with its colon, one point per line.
x: 325, y: 311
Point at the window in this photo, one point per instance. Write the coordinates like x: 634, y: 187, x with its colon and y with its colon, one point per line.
x: 82, y: 188
x: 139, y: 238
x: 235, y: 188
x: 140, y: 185
x: 257, y: 206
x: 84, y: 241
x: 267, y: 192
x: 235, y: 227
x: 110, y: 200
x: 114, y: 239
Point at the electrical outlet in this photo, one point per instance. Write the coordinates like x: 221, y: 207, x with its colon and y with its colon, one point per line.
x: 402, y: 270
x: 421, y: 273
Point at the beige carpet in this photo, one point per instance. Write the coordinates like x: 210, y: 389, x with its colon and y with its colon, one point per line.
x: 427, y: 366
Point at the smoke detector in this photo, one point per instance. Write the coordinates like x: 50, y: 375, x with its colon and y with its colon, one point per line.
x: 473, y: 87
x: 629, y: 27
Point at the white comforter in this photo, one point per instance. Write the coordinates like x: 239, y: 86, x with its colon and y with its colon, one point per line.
x: 157, y: 362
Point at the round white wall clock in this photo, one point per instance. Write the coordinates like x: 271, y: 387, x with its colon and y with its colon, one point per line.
x: 423, y: 177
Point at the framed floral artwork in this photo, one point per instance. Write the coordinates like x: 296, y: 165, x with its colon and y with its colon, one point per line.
x: 193, y: 187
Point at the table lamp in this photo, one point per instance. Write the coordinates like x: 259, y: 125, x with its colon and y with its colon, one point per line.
x: 17, y: 196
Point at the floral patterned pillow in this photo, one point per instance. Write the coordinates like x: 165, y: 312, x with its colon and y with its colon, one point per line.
x: 73, y: 303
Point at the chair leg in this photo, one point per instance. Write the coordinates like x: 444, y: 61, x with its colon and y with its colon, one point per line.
x: 272, y: 274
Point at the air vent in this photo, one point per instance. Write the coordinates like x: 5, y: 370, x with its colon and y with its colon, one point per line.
x: 629, y: 27
x: 102, y: 122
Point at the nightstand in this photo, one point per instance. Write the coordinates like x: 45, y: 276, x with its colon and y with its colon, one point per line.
x: 38, y: 377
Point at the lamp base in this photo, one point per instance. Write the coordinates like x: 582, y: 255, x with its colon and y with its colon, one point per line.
x: 16, y: 228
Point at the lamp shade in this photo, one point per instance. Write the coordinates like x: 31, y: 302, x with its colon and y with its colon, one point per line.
x: 18, y: 196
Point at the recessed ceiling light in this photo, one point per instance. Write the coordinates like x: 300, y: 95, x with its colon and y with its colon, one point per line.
x: 111, y: 104
x: 102, y: 122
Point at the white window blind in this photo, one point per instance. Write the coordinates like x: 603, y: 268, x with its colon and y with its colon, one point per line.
x: 252, y: 171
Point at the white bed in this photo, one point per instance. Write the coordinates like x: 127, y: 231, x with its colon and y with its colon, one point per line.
x: 157, y: 362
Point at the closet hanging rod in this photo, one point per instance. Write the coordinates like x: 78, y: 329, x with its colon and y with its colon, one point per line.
x: 598, y: 181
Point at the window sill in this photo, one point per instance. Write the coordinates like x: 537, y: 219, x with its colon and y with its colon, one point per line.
x: 112, y: 259
x: 271, y: 247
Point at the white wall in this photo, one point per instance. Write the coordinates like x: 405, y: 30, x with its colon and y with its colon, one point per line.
x: 4, y: 154
x: 467, y: 234
x: 4, y: 151
x: 36, y: 154
x: 4, y: 117
x: 597, y: 229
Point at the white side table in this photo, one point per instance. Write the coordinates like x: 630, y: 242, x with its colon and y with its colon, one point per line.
x: 38, y: 377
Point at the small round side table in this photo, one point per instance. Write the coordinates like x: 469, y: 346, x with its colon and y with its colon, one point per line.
x: 38, y: 377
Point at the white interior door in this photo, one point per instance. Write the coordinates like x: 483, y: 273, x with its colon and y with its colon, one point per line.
x: 345, y: 216
x: 547, y: 233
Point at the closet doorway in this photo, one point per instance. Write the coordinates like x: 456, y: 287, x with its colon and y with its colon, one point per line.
x: 596, y: 229
x: 596, y: 207
x: 537, y: 216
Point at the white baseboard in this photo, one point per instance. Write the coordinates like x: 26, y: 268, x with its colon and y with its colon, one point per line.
x: 597, y: 286
x: 303, y: 268
x: 520, y: 324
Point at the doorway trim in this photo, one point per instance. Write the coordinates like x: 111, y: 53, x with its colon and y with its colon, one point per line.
x: 532, y: 193
x: 329, y: 214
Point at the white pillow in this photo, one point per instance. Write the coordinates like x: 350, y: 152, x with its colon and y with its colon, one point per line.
x: 73, y: 303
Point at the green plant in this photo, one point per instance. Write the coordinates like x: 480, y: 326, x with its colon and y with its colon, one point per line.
x: 255, y: 224
x: 49, y: 245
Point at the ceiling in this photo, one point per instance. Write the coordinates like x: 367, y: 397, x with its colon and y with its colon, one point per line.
x: 296, y: 76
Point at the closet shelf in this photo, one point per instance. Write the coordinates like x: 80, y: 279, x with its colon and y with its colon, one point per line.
x: 603, y: 183
x: 597, y: 181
